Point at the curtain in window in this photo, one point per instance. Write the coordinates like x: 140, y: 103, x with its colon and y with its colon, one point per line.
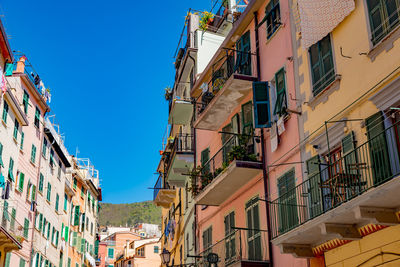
x: 320, y: 17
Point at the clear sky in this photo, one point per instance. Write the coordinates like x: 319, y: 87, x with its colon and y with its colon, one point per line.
x: 107, y: 64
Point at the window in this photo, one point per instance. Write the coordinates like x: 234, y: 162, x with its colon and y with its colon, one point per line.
x: 25, y: 102
x: 21, y: 262
x: 1, y: 155
x: 21, y: 179
x: 76, y: 215
x: 287, y: 201
x: 57, y: 201
x: 230, y: 238
x: 41, y: 182
x: 51, y: 157
x: 16, y: 128
x: 59, y: 170
x: 254, y: 235
x: 75, y: 182
x: 33, y: 154
x: 272, y: 17
x: 205, y: 156
x: 65, y: 202
x: 243, y: 55
x: 48, y: 197
x: 11, y: 169
x: 44, y: 148
x: 82, y: 192
x: 322, y: 68
x: 7, y: 261
x: 207, y: 240
x: 26, y: 228
x: 281, y: 99
x: 5, y: 112
x: 383, y: 17
x: 69, y: 262
x: 111, y: 253
x: 13, y: 216
x: 37, y: 117
x: 91, y: 228
x: 261, y: 105
x: 21, y: 146
x: 247, y: 118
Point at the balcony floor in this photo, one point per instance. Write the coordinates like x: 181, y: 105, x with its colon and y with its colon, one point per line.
x: 236, y: 175
x: 231, y: 95
x: 377, y: 205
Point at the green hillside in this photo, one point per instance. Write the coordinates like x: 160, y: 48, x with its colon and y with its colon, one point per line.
x: 129, y: 214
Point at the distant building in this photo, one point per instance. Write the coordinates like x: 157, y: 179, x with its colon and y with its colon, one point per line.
x: 140, y: 253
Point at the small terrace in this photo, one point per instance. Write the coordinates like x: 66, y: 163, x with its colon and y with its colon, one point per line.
x: 239, y: 248
x: 163, y: 195
x: 230, y: 82
x: 227, y: 171
x: 357, y: 188
x: 11, y: 231
x: 179, y: 158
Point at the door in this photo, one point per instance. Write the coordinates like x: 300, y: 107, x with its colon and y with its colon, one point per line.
x: 313, y: 187
x: 243, y: 56
x: 230, y: 237
x: 287, y: 202
x: 227, y: 143
x: 253, y: 234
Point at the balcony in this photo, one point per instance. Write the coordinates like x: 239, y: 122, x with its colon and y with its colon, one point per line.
x: 11, y: 231
x: 234, y: 165
x: 231, y: 81
x: 239, y: 248
x: 163, y: 195
x: 181, y: 112
x: 179, y: 159
x: 357, y: 189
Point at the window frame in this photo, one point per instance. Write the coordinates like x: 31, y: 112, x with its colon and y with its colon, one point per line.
x: 275, y: 14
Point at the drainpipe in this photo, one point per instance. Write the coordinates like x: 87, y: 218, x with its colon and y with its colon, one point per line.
x: 263, y: 156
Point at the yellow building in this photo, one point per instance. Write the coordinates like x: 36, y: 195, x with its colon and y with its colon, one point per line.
x: 344, y: 210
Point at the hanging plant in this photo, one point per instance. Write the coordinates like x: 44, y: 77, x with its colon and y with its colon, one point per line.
x: 168, y: 93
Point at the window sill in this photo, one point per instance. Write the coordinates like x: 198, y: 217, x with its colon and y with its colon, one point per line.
x: 21, y: 151
x: 385, y: 44
x: 4, y: 123
x: 323, y: 96
x: 33, y: 163
x: 15, y: 140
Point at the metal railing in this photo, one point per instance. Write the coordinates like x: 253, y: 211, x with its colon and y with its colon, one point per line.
x: 236, y: 147
x: 181, y: 143
x: 233, y: 62
x: 10, y: 224
x: 369, y: 165
x: 160, y: 184
x: 239, y: 245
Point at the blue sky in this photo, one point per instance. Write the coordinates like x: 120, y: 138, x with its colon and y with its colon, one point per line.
x: 107, y: 64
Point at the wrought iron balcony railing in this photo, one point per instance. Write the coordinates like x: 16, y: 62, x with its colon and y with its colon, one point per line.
x: 238, y: 245
x: 160, y: 184
x: 369, y: 165
x: 242, y: 64
x: 236, y: 147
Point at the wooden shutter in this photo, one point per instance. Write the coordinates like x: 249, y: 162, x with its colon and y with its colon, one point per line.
x: 262, y: 116
x: 281, y: 99
x: 1, y: 155
x: 313, y: 189
x: 76, y: 216
x: 247, y: 118
x: 26, y: 228
x: 288, y: 202
x: 21, y: 182
x: 380, y: 163
x: 349, y: 154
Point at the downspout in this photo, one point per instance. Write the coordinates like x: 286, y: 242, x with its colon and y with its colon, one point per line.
x: 263, y: 156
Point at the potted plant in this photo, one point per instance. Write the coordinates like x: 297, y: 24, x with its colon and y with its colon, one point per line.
x: 206, y: 19
x: 168, y: 93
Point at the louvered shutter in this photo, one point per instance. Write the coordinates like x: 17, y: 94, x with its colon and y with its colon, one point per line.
x: 262, y: 116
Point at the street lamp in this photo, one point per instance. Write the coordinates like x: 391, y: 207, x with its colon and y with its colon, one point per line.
x: 165, y: 256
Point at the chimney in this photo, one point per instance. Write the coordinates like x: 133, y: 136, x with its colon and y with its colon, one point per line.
x: 21, y: 65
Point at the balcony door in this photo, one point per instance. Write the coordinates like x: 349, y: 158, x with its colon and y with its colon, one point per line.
x: 230, y: 237
x: 288, y: 216
x: 243, y: 56
x: 253, y: 234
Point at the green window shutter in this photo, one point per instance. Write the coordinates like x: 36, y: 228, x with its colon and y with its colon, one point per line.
x: 378, y: 148
x: 76, y: 217
x: 313, y: 186
x: 1, y: 155
x: 11, y: 170
x: 281, y: 99
x: 40, y: 222
x: 65, y: 202
x: 33, y: 154
x: 21, y: 146
x: 48, y: 230
x: 9, y: 69
x: 16, y: 128
x: 75, y: 183
x: 349, y: 153
x: 8, y: 258
x: 21, y: 262
x: 48, y: 197
x: 13, y: 215
x: 26, y: 228
x: 262, y: 116
x: 33, y: 194
x: 57, y: 200
x: 37, y: 117
x: 21, y: 182
x: 41, y: 182
x: 111, y: 253
x: 53, y: 232
x: 287, y: 198
x: 25, y: 102
x: 69, y: 262
x: 83, y: 243
x: 5, y: 111
x: 44, y: 147
x: 74, y: 239
x: 247, y: 118
x: 66, y: 233
x: 6, y: 216
x: 205, y: 157
x: 243, y: 58
x: 272, y: 17
x: 322, y: 67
